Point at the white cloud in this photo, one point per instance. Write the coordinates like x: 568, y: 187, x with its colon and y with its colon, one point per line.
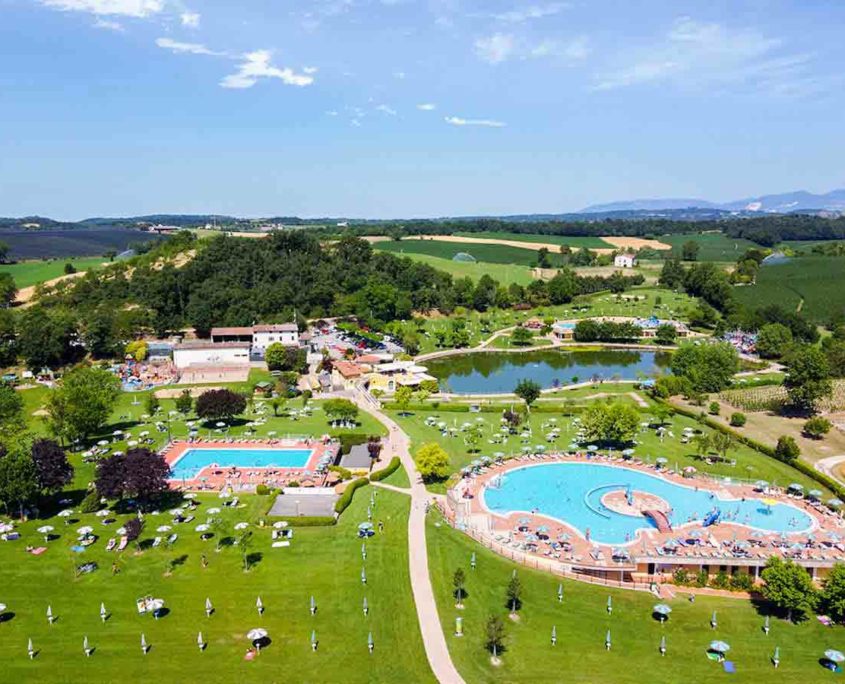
x: 109, y: 25
x: 125, y: 8
x: 427, y: 107
x: 399, y: 75
x: 696, y: 54
x: 575, y: 50
x: 190, y: 19
x: 310, y: 70
x: 256, y: 65
x: 458, y: 121
x: 385, y: 109
x: 523, y: 14
x: 185, y: 48
x: 331, y: 112
x: 496, y: 48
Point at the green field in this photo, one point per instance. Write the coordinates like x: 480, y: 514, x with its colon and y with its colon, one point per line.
x: 582, y: 622
x: 505, y: 274
x: 28, y: 273
x: 571, y: 240
x: 813, y: 283
x: 324, y: 563
x: 713, y: 246
x: 493, y: 254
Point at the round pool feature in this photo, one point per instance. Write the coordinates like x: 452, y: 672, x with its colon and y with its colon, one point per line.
x: 572, y: 493
x: 499, y: 372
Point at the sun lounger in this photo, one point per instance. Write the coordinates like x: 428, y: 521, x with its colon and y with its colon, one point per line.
x: 156, y: 542
x: 280, y: 544
x: 124, y: 541
x: 111, y: 544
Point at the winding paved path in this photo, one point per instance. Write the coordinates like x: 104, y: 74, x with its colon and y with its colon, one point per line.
x: 399, y: 444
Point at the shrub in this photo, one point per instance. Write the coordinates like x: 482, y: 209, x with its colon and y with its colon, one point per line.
x: 680, y: 577
x: 344, y: 473
x: 91, y: 502
x: 720, y: 580
x: 391, y: 468
x: 701, y: 578
x: 311, y: 521
x: 346, y: 498
x: 787, y: 449
x: 714, y: 408
x: 263, y: 490
x: 738, y: 419
x: 817, y: 427
x: 351, y: 439
x: 742, y: 581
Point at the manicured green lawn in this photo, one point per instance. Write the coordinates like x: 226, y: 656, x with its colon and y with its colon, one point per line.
x: 321, y: 562
x: 28, y: 273
x: 582, y: 623
x: 399, y: 478
x: 574, y: 241
x: 504, y: 274
x: 750, y: 465
x: 712, y: 246
x: 488, y: 253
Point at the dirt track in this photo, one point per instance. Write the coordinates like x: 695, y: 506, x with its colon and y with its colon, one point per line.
x: 25, y: 294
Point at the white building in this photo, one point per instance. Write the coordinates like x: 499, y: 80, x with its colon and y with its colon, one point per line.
x: 625, y: 260
x: 265, y: 335
x: 203, y: 353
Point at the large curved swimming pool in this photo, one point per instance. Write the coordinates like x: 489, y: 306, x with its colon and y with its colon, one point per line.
x: 572, y: 493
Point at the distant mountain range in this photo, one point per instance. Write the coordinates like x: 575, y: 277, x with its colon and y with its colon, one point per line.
x: 782, y: 203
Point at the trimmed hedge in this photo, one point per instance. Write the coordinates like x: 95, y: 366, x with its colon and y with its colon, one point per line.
x: 351, y: 439
x: 346, y: 498
x: 798, y: 464
x: 311, y: 521
x: 391, y: 468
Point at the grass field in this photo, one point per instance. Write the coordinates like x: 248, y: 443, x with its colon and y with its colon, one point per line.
x: 582, y: 622
x: 492, y: 254
x: 750, y: 465
x: 713, y: 246
x: 28, y: 273
x: 505, y: 274
x: 813, y: 283
x: 574, y: 241
x: 324, y: 563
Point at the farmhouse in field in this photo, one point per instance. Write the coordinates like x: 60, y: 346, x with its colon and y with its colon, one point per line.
x: 625, y: 260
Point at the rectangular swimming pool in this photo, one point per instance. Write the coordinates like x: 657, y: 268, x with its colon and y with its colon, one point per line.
x: 188, y: 465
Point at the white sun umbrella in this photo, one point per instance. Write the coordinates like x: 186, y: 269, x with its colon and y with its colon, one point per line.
x: 208, y: 607
x: 156, y: 604
x: 176, y: 511
x: 256, y: 634
x: 66, y: 513
x: 45, y: 530
x: 280, y: 524
x: 272, y: 433
x: 117, y: 433
x: 85, y: 529
x: 213, y: 510
x: 6, y: 527
x: 103, y: 442
x: 145, y: 433
x: 120, y: 531
x: 221, y: 424
x: 2, y: 607
x: 224, y: 494
x: 190, y: 495
x: 202, y: 528
x: 103, y: 513
x: 200, y: 641
x: 163, y: 528
x: 132, y: 443
x: 241, y: 525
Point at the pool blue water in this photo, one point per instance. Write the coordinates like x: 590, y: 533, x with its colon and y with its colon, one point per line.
x: 192, y: 461
x: 572, y: 493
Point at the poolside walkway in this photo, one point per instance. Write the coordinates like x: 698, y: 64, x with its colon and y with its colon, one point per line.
x: 436, y: 650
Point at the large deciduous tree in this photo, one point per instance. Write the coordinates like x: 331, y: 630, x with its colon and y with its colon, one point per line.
x: 82, y: 403
x: 789, y: 587
x: 611, y: 422
x: 528, y: 391
x: 222, y: 404
x: 709, y: 367
x: 139, y: 473
x: 52, y: 468
x: 340, y: 409
x: 432, y: 462
x: 18, y: 479
x: 807, y: 379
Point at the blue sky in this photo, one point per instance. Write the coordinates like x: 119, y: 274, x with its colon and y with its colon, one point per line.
x: 385, y: 108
